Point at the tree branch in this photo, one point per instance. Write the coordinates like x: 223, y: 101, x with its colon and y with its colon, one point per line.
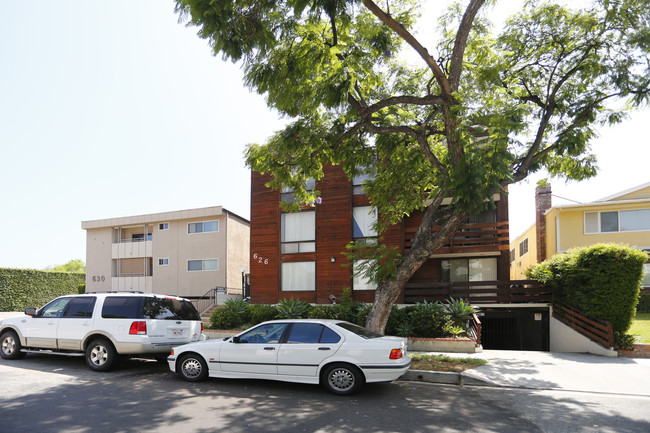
x: 460, y: 44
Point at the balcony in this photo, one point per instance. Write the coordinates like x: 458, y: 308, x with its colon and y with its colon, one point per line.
x: 480, y: 292
x: 132, y: 248
x: 132, y: 283
x: 470, y: 238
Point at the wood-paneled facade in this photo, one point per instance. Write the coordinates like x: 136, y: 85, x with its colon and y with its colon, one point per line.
x: 334, y: 230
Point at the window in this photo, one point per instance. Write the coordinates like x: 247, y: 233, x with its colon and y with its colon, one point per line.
x: 357, y: 182
x: 298, y: 232
x: 364, y: 219
x: 512, y: 255
x: 265, y: 334
x: 122, y: 307
x: 168, y: 309
x: 458, y: 270
x: 163, y: 262
x: 487, y: 216
x: 163, y: 226
x: 203, y: 265
x: 203, y: 227
x: 523, y: 247
x: 361, y: 282
x: 287, y: 193
x: 54, y: 308
x: 617, y: 221
x: 299, y: 276
x: 139, y: 237
x: 81, y: 307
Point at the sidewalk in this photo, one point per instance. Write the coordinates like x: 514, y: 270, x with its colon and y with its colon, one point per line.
x: 547, y: 370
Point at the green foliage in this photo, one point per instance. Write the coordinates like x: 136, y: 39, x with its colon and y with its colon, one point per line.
x: 72, y: 266
x: 261, y: 313
x: 430, y: 319
x: 399, y: 321
x: 239, y: 307
x: 23, y: 288
x: 293, y: 309
x: 644, y: 303
x: 603, y: 281
x: 624, y: 341
x: 224, y: 318
x: 324, y: 312
x: 460, y: 311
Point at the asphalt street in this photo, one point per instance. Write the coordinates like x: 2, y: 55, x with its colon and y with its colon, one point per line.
x: 56, y: 394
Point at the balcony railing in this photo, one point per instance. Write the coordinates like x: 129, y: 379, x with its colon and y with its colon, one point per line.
x: 470, y: 238
x: 480, y: 292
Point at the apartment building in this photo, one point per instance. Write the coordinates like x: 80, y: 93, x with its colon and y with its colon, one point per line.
x: 299, y: 254
x: 184, y: 253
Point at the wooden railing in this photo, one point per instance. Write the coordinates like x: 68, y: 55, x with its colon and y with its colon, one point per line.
x: 480, y: 292
x: 475, y: 329
x: 600, y: 331
x: 478, y: 237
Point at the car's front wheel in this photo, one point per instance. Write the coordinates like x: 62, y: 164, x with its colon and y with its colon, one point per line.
x: 343, y: 379
x: 192, y: 367
x: 10, y: 346
x: 101, y: 355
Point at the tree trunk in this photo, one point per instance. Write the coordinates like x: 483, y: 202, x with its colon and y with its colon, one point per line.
x: 425, y: 242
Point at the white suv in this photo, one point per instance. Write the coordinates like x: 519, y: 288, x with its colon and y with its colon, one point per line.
x: 103, y: 326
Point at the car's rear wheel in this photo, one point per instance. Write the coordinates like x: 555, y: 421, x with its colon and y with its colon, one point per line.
x: 101, y: 355
x: 10, y: 346
x: 192, y: 367
x: 343, y: 379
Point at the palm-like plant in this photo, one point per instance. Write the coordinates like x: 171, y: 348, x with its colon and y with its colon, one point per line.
x: 293, y: 309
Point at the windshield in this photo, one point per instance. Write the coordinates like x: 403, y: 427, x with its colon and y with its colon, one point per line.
x: 361, y: 332
x: 169, y: 309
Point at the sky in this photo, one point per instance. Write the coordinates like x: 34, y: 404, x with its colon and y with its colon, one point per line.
x: 111, y: 108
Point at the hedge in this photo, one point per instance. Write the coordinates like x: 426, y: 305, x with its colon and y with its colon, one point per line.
x: 22, y: 288
x: 603, y: 281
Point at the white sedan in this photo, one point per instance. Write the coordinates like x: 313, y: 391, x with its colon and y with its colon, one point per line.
x: 339, y: 355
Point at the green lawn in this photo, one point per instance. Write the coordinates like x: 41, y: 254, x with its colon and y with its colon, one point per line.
x: 641, y: 327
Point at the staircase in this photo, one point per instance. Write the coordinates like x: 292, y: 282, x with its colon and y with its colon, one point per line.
x: 205, y: 316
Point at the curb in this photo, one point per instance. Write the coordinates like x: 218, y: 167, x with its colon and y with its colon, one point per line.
x: 443, y: 377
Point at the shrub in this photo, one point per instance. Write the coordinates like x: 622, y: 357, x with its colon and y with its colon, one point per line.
x: 644, y: 303
x: 223, y: 318
x: 261, y: 313
x: 624, y: 341
x: 396, y: 320
x: 293, y: 309
x: 460, y: 311
x: 240, y: 308
x: 362, y: 314
x: 324, y: 312
x: 22, y: 288
x: 430, y: 320
x: 602, y: 281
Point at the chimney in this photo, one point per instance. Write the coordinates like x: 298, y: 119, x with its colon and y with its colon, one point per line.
x: 542, y: 204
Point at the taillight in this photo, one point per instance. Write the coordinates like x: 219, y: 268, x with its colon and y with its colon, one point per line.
x: 201, y: 327
x: 396, y: 354
x: 138, y: 328
x: 172, y: 354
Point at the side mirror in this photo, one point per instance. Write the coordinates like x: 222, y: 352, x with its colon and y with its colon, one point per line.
x: 235, y: 339
x: 30, y: 311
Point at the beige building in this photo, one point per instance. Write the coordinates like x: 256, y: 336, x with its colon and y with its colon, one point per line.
x: 621, y: 218
x: 184, y: 253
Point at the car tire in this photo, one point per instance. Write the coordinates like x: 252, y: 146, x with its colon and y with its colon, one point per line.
x: 192, y: 368
x: 100, y: 355
x: 343, y: 379
x: 10, y: 346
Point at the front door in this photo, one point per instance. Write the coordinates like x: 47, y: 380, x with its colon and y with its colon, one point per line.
x: 41, y: 330
x: 256, y: 352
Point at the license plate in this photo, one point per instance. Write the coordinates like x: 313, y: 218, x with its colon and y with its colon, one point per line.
x: 178, y: 332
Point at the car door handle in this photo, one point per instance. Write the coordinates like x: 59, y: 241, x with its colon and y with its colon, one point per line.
x: 323, y: 348
x: 269, y: 348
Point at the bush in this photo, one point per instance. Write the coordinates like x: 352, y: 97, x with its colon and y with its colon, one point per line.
x: 397, y: 320
x: 324, y: 312
x: 430, y: 320
x: 261, y: 313
x: 293, y: 309
x: 460, y: 311
x: 240, y: 308
x: 602, y: 281
x: 644, y: 303
x: 223, y: 318
x: 22, y: 288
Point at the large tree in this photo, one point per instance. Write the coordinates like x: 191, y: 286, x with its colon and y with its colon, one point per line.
x: 486, y: 110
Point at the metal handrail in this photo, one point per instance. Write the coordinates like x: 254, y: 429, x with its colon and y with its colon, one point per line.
x: 204, y: 302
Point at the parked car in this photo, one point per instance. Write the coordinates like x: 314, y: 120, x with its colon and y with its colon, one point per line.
x: 103, y: 326
x: 339, y: 355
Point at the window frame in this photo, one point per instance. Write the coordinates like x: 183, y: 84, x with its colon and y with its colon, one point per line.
x: 311, y: 286
x: 302, y: 245
x: 522, y: 244
x: 202, y: 223
x: 599, y: 221
x: 163, y: 226
x: 203, y: 262
x: 163, y: 261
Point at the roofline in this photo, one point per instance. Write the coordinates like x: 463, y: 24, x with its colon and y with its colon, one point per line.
x: 598, y: 203
x: 161, y: 217
x: 627, y: 191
